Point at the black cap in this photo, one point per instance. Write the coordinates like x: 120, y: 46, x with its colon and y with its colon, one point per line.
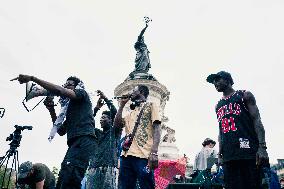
x: 208, y: 141
x: 24, y: 169
x: 221, y: 74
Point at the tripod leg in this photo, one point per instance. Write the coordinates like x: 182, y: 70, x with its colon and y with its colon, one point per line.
x: 13, y: 164
x: 17, y: 165
x: 4, y: 158
x: 5, y: 170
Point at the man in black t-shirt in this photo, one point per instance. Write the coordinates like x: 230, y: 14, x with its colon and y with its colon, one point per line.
x: 242, y: 146
x: 36, y: 176
x: 79, y: 125
x: 103, y: 166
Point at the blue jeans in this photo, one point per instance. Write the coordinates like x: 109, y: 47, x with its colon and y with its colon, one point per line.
x: 133, y: 169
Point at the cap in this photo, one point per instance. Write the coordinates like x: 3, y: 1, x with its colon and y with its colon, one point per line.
x: 221, y: 74
x: 24, y: 169
x: 208, y: 141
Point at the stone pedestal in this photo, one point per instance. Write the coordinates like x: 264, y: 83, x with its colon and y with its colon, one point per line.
x: 158, y: 94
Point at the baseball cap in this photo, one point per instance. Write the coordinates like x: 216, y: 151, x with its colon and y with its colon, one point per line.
x: 24, y: 169
x: 221, y: 74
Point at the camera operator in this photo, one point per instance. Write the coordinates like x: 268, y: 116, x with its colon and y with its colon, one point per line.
x: 36, y: 176
x: 141, y: 158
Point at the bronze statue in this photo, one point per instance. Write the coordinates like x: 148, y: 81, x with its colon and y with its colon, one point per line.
x: 142, y: 60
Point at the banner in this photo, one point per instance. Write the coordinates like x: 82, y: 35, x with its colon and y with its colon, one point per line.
x: 167, y: 170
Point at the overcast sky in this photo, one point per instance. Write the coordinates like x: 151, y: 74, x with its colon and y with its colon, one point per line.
x: 187, y: 39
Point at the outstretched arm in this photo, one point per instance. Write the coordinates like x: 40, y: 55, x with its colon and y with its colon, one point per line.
x: 109, y: 104
x: 261, y: 156
x: 142, y: 33
x: 100, y: 104
x: 55, y: 89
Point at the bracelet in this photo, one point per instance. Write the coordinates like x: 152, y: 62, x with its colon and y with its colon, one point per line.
x: 155, y: 154
x: 262, y: 145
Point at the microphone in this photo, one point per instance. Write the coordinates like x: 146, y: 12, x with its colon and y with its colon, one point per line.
x: 122, y: 97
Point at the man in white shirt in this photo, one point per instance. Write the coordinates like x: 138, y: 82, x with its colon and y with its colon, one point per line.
x: 207, y: 151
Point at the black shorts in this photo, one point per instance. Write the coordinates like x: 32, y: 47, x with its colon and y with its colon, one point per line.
x: 241, y: 174
x: 76, y: 161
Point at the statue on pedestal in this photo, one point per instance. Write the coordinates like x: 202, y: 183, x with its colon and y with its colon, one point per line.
x: 142, y: 60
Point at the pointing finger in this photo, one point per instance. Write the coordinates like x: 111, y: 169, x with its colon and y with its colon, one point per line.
x: 14, y: 79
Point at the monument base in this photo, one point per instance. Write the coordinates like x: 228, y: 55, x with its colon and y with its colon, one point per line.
x: 140, y: 75
x: 168, y: 151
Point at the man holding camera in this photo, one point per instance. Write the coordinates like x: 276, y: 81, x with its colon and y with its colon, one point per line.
x: 36, y: 176
x: 103, y: 166
x: 140, y: 148
x: 76, y: 120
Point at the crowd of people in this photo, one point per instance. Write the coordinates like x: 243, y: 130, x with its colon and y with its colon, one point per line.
x: 242, y: 145
x: 95, y: 149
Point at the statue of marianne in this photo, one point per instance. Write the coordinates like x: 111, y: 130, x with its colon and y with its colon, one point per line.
x: 142, y: 60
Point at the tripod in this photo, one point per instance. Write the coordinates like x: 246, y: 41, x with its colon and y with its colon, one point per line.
x: 15, y: 139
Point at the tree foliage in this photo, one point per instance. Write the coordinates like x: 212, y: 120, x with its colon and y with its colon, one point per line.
x: 4, y: 183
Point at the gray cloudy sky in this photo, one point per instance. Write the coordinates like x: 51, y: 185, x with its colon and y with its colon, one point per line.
x: 187, y: 39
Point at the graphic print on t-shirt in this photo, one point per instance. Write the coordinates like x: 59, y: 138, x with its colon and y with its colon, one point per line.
x: 228, y: 123
x: 142, y: 133
x: 244, y: 143
x: 236, y: 128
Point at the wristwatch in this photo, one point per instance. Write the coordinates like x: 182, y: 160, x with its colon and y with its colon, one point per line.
x: 155, y: 154
x: 262, y: 145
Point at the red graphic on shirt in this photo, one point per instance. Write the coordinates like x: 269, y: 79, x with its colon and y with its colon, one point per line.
x: 226, y: 110
x: 228, y: 124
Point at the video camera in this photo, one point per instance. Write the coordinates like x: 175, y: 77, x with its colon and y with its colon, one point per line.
x: 16, y: 136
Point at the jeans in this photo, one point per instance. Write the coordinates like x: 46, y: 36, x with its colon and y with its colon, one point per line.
x: 133, y: 169
x: 102, y: 178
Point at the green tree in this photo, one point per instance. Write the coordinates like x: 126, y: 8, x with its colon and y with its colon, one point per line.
x: 6, y: 179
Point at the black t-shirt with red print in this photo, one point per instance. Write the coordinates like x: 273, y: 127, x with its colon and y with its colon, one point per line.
x: 236, y: 128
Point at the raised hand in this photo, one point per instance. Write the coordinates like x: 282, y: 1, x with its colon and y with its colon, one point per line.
x: 100, y: 103
x: 101, y: 94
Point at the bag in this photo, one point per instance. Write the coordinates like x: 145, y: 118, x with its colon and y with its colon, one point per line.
x: 129, y: 138
x: 127, y: 143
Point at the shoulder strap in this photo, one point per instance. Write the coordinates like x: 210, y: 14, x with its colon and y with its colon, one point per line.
x: 137, y: 122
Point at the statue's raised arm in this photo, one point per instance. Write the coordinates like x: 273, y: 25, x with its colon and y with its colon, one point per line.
x: 140, y: 37
x: 142, y: 60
